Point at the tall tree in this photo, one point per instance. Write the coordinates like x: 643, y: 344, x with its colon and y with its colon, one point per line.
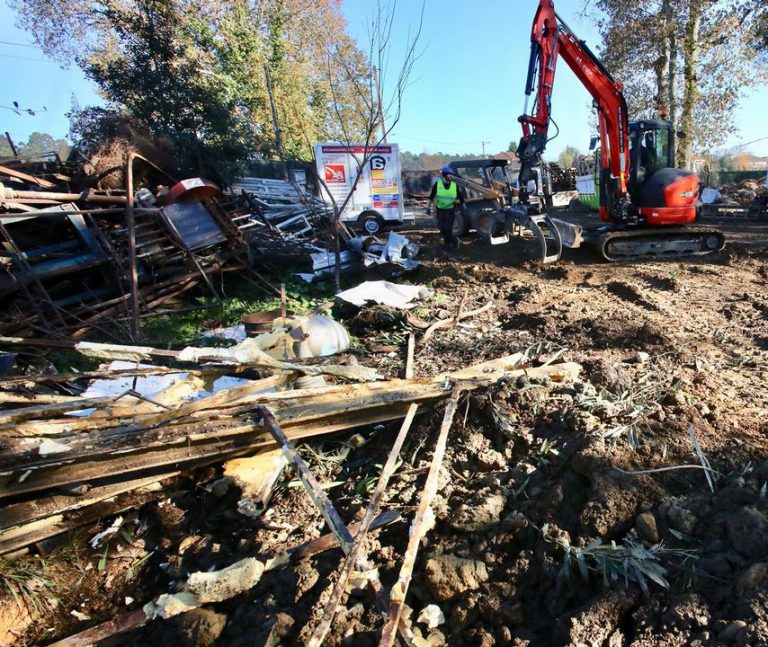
x: 692, y: 52
x: 653, y: 45
x: 568, y: 157
x: 192, y: 71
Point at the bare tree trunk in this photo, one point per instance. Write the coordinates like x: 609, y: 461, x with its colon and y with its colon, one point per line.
x: 381, y: 108
x: 275, y: 124
x: 667, y: 88
x: 671, y: 85
x: 691, y: 51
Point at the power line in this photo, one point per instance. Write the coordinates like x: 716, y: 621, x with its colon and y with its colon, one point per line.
x: 27, y: 58
x: 8, y: 42
x: 754, y: 141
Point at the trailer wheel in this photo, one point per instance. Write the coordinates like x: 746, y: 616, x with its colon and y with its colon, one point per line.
x: 371, y: 222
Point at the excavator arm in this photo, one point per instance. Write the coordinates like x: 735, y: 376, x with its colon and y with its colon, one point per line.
x: 552, y: 38
x: 643, y: 224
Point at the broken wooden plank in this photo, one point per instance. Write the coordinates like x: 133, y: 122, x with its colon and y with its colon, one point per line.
x: 409, y: 358
x: 17, y: 537
x: 223, y: 397
x: 451, y: 321
x: 256, y: 476
x: 12, y: 397
x: 355, y: 554
x: 246, y: 353
x: 17, y: 514
x: 422, y: 521
x: 132, y: 449
x: 56, y: 378
x: 19, y: 175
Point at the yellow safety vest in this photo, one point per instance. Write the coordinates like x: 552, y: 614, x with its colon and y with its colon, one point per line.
x: 446, y: 197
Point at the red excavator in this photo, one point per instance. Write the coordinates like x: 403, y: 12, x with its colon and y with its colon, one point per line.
x: 644, y: 199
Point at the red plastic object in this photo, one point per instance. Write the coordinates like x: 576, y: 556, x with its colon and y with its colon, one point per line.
x: 194, y: 189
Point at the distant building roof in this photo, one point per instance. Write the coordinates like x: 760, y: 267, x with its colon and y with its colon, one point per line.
x: 507, y: 155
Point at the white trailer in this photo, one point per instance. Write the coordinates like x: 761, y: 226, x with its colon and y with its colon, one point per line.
x: 378, y: 196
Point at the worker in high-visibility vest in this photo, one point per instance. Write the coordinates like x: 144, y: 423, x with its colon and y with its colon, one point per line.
x: 446, y: 194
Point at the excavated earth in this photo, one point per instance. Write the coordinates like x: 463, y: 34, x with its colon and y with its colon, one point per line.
x: 672, y: 352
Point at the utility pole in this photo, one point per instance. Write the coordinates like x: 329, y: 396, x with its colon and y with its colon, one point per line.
x: 483, y: 143
x: 381, y: 108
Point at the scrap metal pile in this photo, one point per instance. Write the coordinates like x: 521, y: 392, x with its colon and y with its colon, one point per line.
x: 74, y: 257
x: 68, y: 461
x: 287, y: 219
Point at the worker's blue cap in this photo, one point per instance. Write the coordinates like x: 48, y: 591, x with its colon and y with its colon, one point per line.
x: 447, y: 169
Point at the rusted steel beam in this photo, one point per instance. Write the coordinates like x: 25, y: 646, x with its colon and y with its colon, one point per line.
x: 356, y: 553
x: 419, y: 526
x: 133, y: 273
x: 326, y: 542
x: 316, y: 493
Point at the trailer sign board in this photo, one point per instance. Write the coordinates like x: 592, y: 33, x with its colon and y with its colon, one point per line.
x: 377, y: 196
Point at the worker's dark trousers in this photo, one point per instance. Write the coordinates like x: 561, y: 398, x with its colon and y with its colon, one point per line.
x: 445, y: 218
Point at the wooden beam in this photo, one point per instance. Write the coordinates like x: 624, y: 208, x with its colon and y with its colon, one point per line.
x: 419, y: 527
x: 45, y: 184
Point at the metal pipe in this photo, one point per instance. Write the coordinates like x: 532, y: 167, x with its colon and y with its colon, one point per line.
x: 11, y: 194
x: 133, y: 274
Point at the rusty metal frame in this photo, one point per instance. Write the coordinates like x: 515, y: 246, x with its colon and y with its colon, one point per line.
x: 356, y: 553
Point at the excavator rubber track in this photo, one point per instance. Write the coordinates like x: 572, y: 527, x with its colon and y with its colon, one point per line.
x: 648, y: 244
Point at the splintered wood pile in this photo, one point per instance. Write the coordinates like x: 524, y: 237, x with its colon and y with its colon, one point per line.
x: 74, y: 257
x: 66, y: 462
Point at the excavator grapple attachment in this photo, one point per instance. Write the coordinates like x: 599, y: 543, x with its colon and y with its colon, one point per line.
x: 548, y: 237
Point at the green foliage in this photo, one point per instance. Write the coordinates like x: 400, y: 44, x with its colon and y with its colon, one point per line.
x: 645, y: 47
x: 434, y: 161
x: 242, y: 298
x: 512, y: 148
x: 37, y: 144
x: 28, y: 585
x: 70, y: 360
x: 618, y: 563
x: 192, y: 72
x: 567, y: 159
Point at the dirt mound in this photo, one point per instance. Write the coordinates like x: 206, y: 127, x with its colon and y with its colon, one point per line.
x: 568, y: 513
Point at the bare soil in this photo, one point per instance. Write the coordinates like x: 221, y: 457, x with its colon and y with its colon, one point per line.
x: 669, y: 349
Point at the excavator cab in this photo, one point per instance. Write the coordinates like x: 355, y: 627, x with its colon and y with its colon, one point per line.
x: 660, y: 193
x: 651, y: 147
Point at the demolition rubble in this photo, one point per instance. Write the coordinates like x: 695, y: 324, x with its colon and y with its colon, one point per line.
x: 76, y: 257
x: 477, y: 450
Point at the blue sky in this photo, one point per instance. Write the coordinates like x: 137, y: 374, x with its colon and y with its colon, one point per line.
x: 467, y: 86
